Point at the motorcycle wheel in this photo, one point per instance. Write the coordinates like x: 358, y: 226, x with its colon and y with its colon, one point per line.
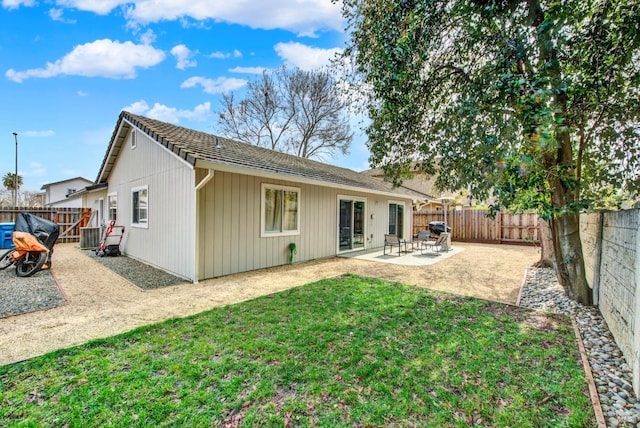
x: 30, y: 263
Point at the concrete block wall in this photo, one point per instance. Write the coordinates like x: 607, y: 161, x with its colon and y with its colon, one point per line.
x: 611, y: 245
x: 590, y: 234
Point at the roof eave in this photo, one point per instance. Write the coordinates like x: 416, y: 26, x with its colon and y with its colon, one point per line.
x: 218, y: 166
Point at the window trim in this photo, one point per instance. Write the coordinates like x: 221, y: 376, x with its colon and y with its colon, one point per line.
x: 109, y: 208
x: 134, y: 139
x: 145, y: 224
x: 404, y: 208
x: 367, y: 216
x: 270, y: 186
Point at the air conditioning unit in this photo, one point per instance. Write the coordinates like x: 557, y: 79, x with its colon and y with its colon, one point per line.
x: 89, y: 238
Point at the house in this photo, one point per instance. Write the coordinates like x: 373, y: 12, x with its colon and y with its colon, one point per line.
x: 202, y: 206
x: 434, y: 199
x: 61, y: 193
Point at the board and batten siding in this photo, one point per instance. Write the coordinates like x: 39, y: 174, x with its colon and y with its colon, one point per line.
x: 229, y: 224
x: 169, y: 241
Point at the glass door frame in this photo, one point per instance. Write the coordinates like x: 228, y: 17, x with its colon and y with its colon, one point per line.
x: 400, y: 221
x: 352, y: 235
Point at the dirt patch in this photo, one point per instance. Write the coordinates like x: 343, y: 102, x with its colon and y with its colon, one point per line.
x: 102, y: 303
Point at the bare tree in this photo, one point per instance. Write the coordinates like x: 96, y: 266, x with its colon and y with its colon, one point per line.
x: 290, y: 110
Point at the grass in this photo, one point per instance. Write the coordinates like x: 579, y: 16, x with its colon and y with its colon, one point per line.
x: 348, y: 351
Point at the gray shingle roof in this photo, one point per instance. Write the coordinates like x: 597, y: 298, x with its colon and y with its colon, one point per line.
x: 193, y: 146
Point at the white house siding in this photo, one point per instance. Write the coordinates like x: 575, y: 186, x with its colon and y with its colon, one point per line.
x: 169, y: 240
x: 229, y: 219
x: 56, y: 193
x: 92, y: 200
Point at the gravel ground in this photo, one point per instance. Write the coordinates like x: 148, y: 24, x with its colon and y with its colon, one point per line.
x: 611, y: 373
x: 21, y: 295
x: 139, y: 274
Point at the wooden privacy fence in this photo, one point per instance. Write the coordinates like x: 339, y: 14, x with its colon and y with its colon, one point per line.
x: 475, y: 226
x: 70, y: 220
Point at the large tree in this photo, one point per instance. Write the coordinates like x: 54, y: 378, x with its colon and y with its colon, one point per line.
x: 290, y: 110
x: 10, y: 183
x: 536, y: 102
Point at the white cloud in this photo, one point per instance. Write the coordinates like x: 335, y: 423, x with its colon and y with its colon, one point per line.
x: 248, y: 70
x: 305, y: 57
x: 138, y: 107
x: 56, y: 15
x: 39, y: 134
x: 14, y: 4
x: 304, y: 17
x: 183, y: 55
x: 301, y: 17
x: 214, y: 86
x: 148, y: 37
x: 223, y: 55
x: 82, y: 93
x: 200, y: 113
x: 36, y: 169
x: 102, y: 58
x: 101, y: 7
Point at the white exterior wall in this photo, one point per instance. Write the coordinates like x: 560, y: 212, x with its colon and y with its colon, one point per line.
x: 92, y: 200
x: 169, y: 241
x: 56, y: 194
x: 611, y: 245
x: 229, y: 217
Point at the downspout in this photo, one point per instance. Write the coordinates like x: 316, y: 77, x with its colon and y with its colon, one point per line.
x: 206, y: 179
x: 199, y: 186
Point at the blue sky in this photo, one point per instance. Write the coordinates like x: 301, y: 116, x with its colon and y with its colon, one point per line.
x: 68, y: 67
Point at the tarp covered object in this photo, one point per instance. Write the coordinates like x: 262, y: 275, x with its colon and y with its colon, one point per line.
x: 24, y: 243
x: 46, y: 231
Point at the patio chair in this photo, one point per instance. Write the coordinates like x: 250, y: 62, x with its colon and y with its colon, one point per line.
x: 393, y: 241
x: 423, y: 236
x: 436, y: 245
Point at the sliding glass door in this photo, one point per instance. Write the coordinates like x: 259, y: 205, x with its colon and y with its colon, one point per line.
x: 396, y: 220
x: 351, y: 224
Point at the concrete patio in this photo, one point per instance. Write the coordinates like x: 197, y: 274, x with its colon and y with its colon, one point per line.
x: 414, y: 257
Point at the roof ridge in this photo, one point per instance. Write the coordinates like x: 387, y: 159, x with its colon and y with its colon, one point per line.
x: 192, y: 145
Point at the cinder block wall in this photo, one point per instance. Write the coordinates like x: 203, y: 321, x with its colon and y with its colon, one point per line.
x: 612, y: 257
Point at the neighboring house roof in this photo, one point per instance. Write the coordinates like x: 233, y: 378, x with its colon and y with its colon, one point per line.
x: 47, y: 185
x: 203, y: 150
x: 419, y: 183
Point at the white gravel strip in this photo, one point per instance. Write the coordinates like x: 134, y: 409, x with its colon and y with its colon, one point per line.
x: 611, y: 372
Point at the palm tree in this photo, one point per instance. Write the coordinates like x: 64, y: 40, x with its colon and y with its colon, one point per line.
x: 9, y: 182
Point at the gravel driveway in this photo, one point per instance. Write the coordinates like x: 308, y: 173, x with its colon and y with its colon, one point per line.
x: 100, y: 303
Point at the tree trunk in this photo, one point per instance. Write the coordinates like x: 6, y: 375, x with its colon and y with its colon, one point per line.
x: 569, y: 260
x: 546, y: 246
x: 561, y: 173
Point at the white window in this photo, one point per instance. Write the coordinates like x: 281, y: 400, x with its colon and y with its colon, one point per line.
x: 280, y: 210
x: 134, y: 141
x: 112, y: 206
x: 140, y: 206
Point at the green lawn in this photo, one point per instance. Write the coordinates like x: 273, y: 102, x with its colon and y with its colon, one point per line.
x: 348, y: 351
